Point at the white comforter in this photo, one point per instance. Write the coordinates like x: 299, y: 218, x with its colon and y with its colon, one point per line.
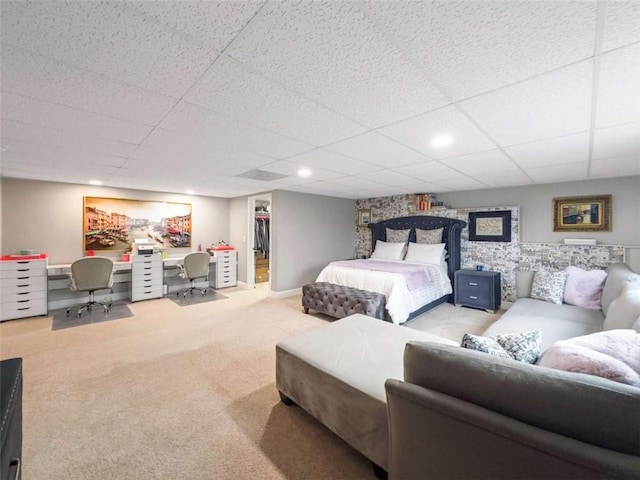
x: 400, y: 301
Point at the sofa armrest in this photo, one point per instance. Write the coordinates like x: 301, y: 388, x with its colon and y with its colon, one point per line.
x: 433, y: 435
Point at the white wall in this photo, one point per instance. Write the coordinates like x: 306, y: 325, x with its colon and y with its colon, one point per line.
x: 308, y: 232
x: 47, y: 216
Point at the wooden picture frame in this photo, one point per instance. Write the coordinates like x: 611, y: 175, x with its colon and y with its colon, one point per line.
x: 490, y: 226
x: 113, y: 224
x: 582, y: 214
x: 364, y: 217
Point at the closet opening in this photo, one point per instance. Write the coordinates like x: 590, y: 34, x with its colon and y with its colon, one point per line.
x: 262, y: 234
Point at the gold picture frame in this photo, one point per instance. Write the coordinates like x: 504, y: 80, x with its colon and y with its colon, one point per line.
x: 364, y: 217
x: 582, y: 214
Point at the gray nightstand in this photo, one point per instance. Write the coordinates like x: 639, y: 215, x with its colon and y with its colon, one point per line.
x: 478, y: 289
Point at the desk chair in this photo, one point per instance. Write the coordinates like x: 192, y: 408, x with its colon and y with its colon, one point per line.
x: 194, y: 266
x: 88, y: 275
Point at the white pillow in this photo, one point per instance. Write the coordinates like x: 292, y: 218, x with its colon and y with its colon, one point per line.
x: 431, y: 253
x: 388, y: 251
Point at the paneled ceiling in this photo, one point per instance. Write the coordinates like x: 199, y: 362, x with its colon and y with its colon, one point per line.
x: 374, y: 98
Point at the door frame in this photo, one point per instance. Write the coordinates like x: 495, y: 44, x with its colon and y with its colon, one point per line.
x: 251, y: 235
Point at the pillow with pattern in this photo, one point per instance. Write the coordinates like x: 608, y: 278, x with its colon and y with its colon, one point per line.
x: 398, y: 236
x: 548, y: 286
x: 429, y: 236
x: 523, y: 347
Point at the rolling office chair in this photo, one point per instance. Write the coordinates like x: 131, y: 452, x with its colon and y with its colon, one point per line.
x: 88, y: 275
x: 195, y: 266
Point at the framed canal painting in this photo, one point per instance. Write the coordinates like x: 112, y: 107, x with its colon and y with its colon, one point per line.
x: 113, y: 224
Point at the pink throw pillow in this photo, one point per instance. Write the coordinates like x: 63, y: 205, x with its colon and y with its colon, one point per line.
x: 583, y: 288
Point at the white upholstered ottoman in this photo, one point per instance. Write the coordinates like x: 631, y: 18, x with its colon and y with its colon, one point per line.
x: 337, y: 373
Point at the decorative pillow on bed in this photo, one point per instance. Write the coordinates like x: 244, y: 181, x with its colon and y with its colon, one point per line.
x: 398, y: 236
x: 429, y: 236
x: 548, y: 286
x: 523, y: 347
x: 583, y: 288
x: 388, y: 251
x: 425, y: 253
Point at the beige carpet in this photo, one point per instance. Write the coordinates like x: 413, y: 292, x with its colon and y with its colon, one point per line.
x: 179, y: 392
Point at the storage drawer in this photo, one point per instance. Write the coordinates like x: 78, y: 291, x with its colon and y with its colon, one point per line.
x: 24, y: 272
x: 225, y: 256
x: 146, y: 272
x: 29, y: 308
x: 226, y: 283
x: 473, y: 285
x: 147, y: 293
x: 478, y: 289
x: 22, y: 264
x: 141, y: 283
x: 154, y: 258
x: 8, y: 297
x: 12, y: 285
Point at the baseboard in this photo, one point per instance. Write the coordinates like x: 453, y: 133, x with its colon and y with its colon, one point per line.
x: 243, y: 285
x: 286, y: 293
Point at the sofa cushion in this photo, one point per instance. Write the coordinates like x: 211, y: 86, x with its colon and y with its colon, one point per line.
x: 583, y: 288
x: 557, y: 322
x: 548, y: 286
x: 618, y: 275
x: 625, y: 309
x: 524, y: 282
x: 587, y: 408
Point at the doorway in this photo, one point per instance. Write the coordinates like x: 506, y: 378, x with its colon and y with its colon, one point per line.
x: 259, y: 246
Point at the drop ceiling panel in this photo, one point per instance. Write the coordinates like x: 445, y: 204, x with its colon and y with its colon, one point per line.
x: 105, y: 38
x: 505, y: 179
x: 46, y: 114
x: 461, y: 184
x: 559, y: 173
x: 333, y: 161
x: 237, y: 92
x: 619, y: 90
x: 379, y: 150
x: 553, y: 151
x: 431, y: 172
x: 615, y: 167
x: 389, y: 177
x: 622, y: 25
x: 620, y: 141
x: 551, y: 105
x: 491, y: 161
x: 32, y: 75
x: 474, y: 47
x: 332, y: 53
x: 418, y: 133
x: 291, y: 168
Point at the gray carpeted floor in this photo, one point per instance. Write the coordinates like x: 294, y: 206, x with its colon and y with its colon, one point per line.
x: 96, y: 315
x: 178, y: 393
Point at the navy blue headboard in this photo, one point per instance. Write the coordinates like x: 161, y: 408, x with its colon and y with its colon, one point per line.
x: 450, y: 235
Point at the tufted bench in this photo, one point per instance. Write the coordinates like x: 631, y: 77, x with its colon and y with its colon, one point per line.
x: 340, y: 301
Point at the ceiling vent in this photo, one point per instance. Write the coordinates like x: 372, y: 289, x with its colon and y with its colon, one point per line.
x: 262, y: 175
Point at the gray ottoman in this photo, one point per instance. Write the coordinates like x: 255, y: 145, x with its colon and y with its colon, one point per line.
x: 340, y: 301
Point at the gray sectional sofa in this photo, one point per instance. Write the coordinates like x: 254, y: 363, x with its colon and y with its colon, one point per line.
x: 448, y: 412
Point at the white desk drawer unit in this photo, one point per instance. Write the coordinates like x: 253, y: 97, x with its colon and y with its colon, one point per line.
x: 226, y: 268
x: 23, y: 287
x: 146, y: 277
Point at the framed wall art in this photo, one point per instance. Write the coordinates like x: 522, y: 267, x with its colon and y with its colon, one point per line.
x: 490, y: 226
x: 364, y: 217
x: 113, y: 224
x: 582, y: 214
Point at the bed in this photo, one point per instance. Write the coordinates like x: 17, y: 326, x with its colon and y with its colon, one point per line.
x: 403, y: 303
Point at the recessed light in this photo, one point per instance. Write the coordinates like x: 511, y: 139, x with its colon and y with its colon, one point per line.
x: 190, y: 192
x: 441, y: 141
x: 304, y: 172
x: 95, y: 182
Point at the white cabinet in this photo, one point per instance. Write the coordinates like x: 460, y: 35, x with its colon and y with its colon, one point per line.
x: 226, y: 268
x: 146, y: 277
x: 23, y: 288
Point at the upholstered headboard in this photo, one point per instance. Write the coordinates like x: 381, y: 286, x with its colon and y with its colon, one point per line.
x: 450, y: 234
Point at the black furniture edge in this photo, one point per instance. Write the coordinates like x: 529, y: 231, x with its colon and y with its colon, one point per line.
x: 11, y: 418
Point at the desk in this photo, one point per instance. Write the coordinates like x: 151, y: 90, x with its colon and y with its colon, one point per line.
x: 61, y: 296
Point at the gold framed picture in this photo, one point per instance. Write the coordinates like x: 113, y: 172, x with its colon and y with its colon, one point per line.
x: 582, y: 214
x: 364, y: 217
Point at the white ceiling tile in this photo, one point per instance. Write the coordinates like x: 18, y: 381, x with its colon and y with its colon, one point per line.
x: 32, y: 75
x: 418, y: 132
x: 28, y: 149
x: 491, y: 161
x: 505, y: 179
x: 358, y: 183
x: 431, y: 172
x: 213, y: 23
x: 332, y: 161
x: 378, y: 150
x: 46, y: 114
x: 461, y: 184
x: 105, y: 38
x: 237, y: 92
x: 622, y: 24
x: 390, y: 177
x: 285, y: 167
x: 427, y: 187
x: 60, y: 138
x: 620, y: 141
x: 473, y: 47
x: 551, y: 105
x: 332, y: 53
x: 559, y: 173
x: 553, y: 151
x: 619, y: 90
x: 616, y: 167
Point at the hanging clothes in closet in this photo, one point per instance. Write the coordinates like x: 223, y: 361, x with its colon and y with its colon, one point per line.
x: 261, y: 243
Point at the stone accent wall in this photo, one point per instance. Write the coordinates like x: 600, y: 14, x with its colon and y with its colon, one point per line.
x: 497, y: 256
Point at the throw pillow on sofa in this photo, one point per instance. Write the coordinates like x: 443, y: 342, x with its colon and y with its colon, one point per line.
x: 523, y: 347
x: 548, y: 286
x: 583, y: 288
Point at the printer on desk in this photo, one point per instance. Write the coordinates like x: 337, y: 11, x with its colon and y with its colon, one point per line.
x: 143, y: 247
